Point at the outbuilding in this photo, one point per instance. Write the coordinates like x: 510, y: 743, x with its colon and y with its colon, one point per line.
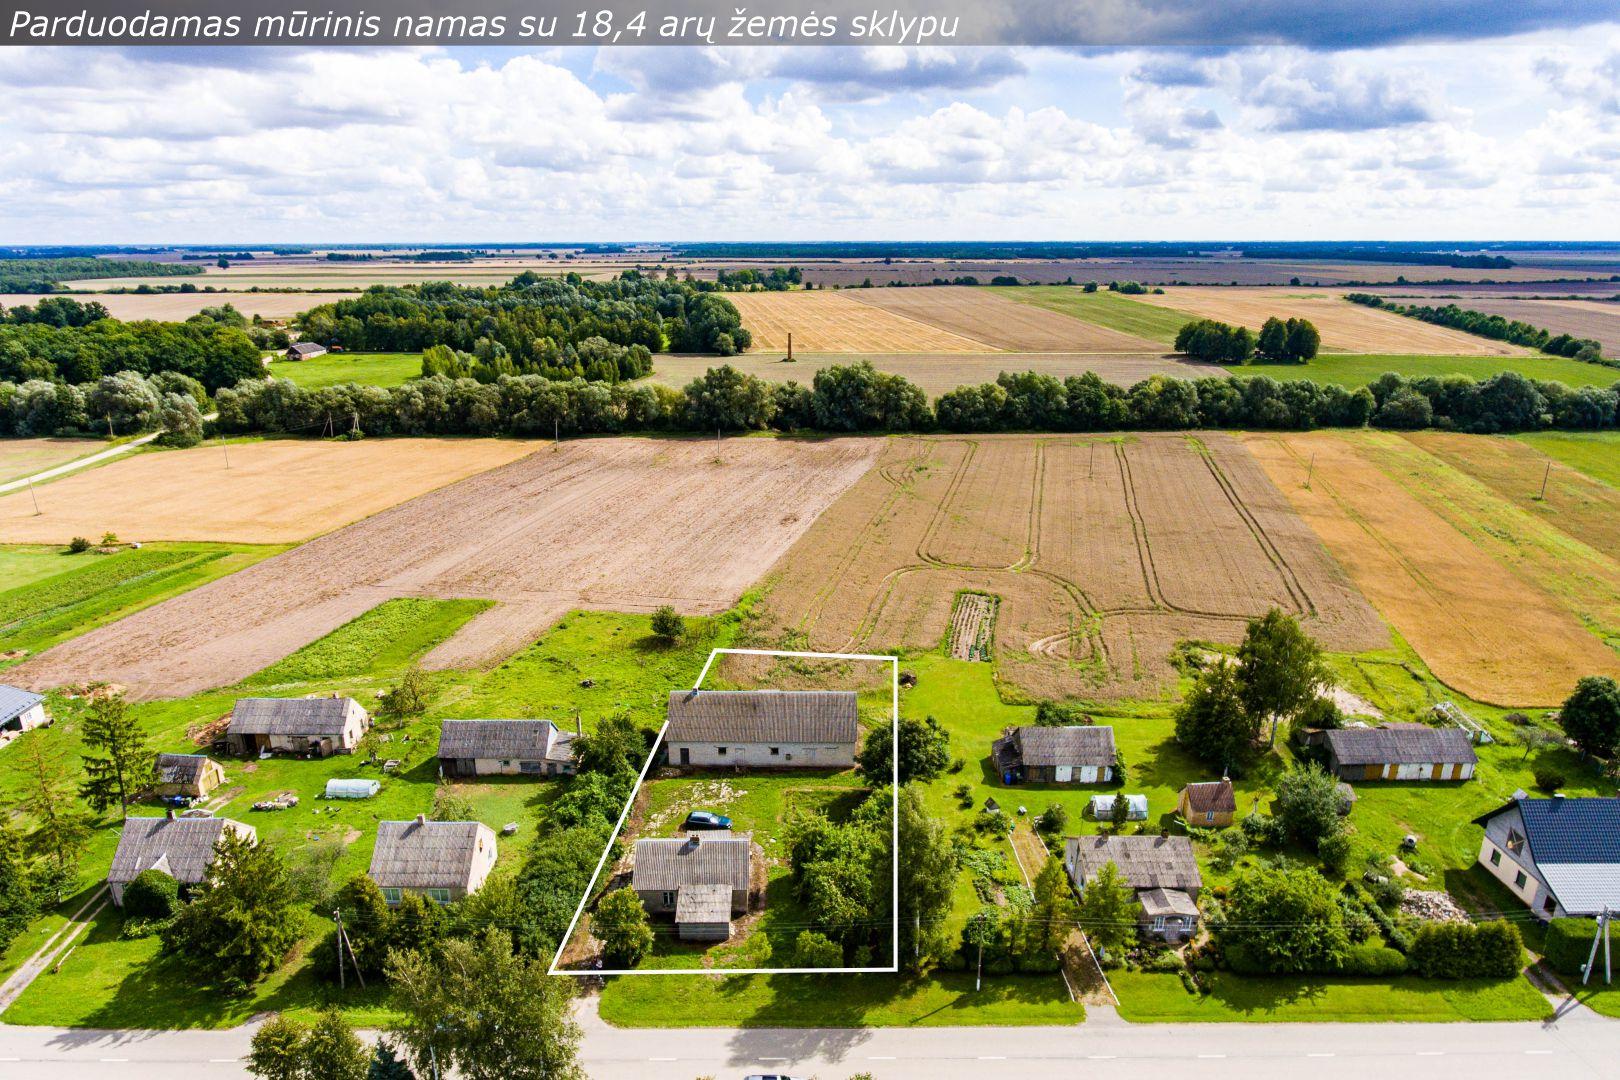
x: 305, y: 350
x: 352, y: 789
x: 703, y: 880
x: 21, y: 710
x: 763, y: 729
x: 1399, y: 751
x: 182, y: 847
x: 320, y: 726
x: 1211, y: 804
x: 505, y: 748
x: 441, y: 860
x: 194, y: 775
x: 1079, y: 754
x: 1136, y: 807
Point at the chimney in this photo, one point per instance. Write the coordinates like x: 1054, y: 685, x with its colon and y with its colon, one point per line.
x: 421, y: 819
x: 169, y: 813
x: 1558, y: 794
x: 695, y: 837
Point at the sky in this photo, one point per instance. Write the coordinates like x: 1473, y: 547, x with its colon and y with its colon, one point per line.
x: 1411, y: 131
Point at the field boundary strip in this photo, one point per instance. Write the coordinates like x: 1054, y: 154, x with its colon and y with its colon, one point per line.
x: 652, y: 755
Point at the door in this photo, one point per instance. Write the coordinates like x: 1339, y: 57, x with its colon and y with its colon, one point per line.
x: 686, y: 755
x: 1411, y: 772
x: 1065, y: 773
x: 1088, y: 774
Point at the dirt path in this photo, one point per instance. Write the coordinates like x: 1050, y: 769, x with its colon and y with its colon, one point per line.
x: 57, y: 947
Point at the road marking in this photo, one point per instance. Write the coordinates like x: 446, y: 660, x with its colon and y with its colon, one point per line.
x: 662, y: 1059
x: 1431, y: 1053
x: 1318, y: 1055
x: 223, y: 1061
x: 1538, y: 1051
x: 992, y: 1057
x: 1102, y: 1057
x: 10, y: 1059
x: 114, y: 1061
x: 1211, y: 1056
x: 881, y: 1057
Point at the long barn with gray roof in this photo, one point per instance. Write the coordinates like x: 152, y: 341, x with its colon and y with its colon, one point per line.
x: 505, y: 748
x: 321, y: 726
x: 781, y: 729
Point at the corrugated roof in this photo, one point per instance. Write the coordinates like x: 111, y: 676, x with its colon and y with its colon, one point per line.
x: 526, y: 740
x: 763, y: 716
x: 427, y: 854
x: 1413, y: 744
x: 180, y: 768
x: 663, y: 865
x: 184, y: 846
x: 1048, y: 747
x: 703, y: 904
x: 1145, y: 862
x: 291, y: 716
x: 1167, y: 902
x: 14, y: 701
x: 306, y: 348
x: 1210, y: 797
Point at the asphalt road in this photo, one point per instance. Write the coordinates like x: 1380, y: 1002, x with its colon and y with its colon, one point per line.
x: 1579, y: 1046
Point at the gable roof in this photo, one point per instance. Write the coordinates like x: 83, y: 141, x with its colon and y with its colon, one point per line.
x: 1048, y: 747
x: 1404, y: 744
x: 307, y: 348
x: 710, y: 903
x: 663, y: 865
x: 1211, y: 797
x: 1145, y: 862
x: 530, y: 740
x: 1167, y: 902
x: 744, y: 716
x: 14, y: 701
x: 1576, y: 847
x: 292, y: 716
x: 420, y: 854
x: 181, y: 768
x: 182, y: 846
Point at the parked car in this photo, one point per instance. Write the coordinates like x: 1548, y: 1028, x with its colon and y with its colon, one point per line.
x: 703, y: 819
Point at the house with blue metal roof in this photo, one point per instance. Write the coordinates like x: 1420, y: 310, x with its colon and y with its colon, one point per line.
x: 21, y: 710
x: 1560, y: 856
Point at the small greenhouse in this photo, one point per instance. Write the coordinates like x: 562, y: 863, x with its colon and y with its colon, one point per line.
x: 351, y: 789
x: 1136, y: 807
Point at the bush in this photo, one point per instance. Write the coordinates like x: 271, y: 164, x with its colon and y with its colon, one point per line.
x: 1467, y: 950
x: 79, y: 545
x: 1569, y: 942
x: 1060, y: 714
x: 152, y: 895
x: 1053, y: 819
x: 1334, y: 851
x: 667, y: 623
x: 1375, y: 960
x: 1549, y: 778
x: 813, y: 950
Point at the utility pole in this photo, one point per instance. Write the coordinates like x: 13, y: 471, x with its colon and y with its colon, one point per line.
x: 556, y: 429
x: 1310, y: 471
x: 1591, y: 957
x: 109, y: 426
x: 1544, y: 477
x: 978, y: 976
x: 337, y: 917
x: 33, y: 496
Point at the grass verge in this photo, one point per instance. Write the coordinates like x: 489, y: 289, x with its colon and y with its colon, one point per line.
x: 1160, y: 998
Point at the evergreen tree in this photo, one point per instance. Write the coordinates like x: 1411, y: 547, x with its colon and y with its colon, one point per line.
x: 18, y: 901
x: 244, y: 918
x: 386, y: 1064
x: 61, y: 829
x: 331, y: 1050
x: 119, y: 762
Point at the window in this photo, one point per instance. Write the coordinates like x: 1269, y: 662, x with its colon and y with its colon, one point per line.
x: 1496, y: 857
x: 1158, y: 922
x: 1519, y: 879
x: 392, y: 896
x: 669, y: 899
x: 441, y: 896
x: 1549, y: 905
x: 775, y: 750
x: 720, y: 750
x: 1209, y: 815
x: 1515, y: 841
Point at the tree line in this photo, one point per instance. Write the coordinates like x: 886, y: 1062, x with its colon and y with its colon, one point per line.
x: 1495, y: 327
x: 78, y: 344
x: 1280, y: 341
x: 47, y: 275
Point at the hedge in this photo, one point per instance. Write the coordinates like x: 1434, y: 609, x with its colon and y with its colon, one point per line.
x: 1450, y: 950
x: 1569, y: 942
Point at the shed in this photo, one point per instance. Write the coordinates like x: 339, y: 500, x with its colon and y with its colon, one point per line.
x: 1077, y: 754
x: 785, y: 729
x: 703, y: 912
x: 21, y: 710
x: 188, y: 774
x: 1136, y: 807
x: 505, y: 748
x: 1210, y: 804
x: 305, y: 350
x: 319, y: 726
x: 441, y: 860
x: 352, y: 789
x: 182, y: 847
x: 1400, y: 752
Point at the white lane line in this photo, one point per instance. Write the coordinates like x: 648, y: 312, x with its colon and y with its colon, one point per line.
x: 1102, y: 1057
x: 1211, y: 1056
x: 1431, y: 1053
x: 662, y: 1059
x: 115, y: 1061
x: 10, y: 1059
x: 992, y: 1057
x: 1538, y: 1051
x: 1319, y: 1055
x: 881, y: 1057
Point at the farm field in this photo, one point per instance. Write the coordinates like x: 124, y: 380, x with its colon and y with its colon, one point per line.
x: 990, y: 318
x: 1352, y: 370
x: 24, y: 457
x: 659, y: 531
x: 937, y: 373
x: 831, y: 322
x: 1106, y: 309
x: 178, y: 307
x: 1596, y: 319
x: 1104, y: 552
x: 1595, y: 453
x: 274, y: 491
x: 1345, y: 327
x: 367, y: 369
x: 1475, y: 585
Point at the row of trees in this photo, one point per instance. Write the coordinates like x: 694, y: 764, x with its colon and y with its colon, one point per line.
x: 121, y: 404
x: 1496, y: 327
x: 212, y: 352
x: 46, y: 275
x: 1290, y: 341
x: 533, y: 318
x: 595, y: 359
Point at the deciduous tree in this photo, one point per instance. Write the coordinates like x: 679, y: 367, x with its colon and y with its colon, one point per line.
x: 1279, y: 669
x: 1107, y: 910
x: 1591, y: 716
x: 1212, y: 722
x: 620, y: 923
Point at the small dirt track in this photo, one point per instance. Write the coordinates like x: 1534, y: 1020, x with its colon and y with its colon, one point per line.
x: 625, y: 524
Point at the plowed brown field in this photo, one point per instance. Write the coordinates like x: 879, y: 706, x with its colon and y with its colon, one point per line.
x: 1002, y: 323
x: 831, y: 322
x: 273, y: 492
x: 624, y: 524
x: 1345, y: 327
x: 1104, y: 552
x: 1492, y: 601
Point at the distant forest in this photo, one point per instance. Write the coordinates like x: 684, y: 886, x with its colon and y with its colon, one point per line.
x: 1468, y: 255
x: 46, y: 275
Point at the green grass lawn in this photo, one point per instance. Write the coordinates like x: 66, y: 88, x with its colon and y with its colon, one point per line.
x: 1595, y: 453
x: 366, y: 369
x: 1359, y: 369
x: 795, y: 1001
x: 49, y: 598
x: 1149, y: 998
x: 1103, y: 308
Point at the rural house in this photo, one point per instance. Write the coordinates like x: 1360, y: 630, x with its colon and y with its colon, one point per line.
x: 1055, y: 755
x: 182, y: 847
x: 505, y: 748
x: 442, y: 860
x: 1207, y: 805
x: 778, y: 729
x: 318, y: 726
x: 305, y: 350
x: 1161, y: 869
x: 703, y: 880
x: 188, y: 774
x: 1560, y: 856
x: 1399, y: 752
x: 21, y: 710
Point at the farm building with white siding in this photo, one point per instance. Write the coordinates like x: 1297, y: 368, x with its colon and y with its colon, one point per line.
x: 505, y: 748
x: 770, y: 729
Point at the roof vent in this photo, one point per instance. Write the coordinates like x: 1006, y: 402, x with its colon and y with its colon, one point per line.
x: 169, y: 813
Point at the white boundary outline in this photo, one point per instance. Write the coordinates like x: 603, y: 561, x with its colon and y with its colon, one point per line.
x: 894, y: 944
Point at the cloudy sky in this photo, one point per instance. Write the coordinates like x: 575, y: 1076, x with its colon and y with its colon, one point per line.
x: 1344, y: 134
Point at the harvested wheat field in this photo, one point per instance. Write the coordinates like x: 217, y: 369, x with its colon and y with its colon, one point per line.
x: 831, y: 322
x: 1596, y: 319
x: 1483, y: 626
x: 1103, y: 552
x: 273, y: 492
x: 621, y: 524
x: 1345, y: 327
x: 1001, y: 323
x: 24, y: 457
